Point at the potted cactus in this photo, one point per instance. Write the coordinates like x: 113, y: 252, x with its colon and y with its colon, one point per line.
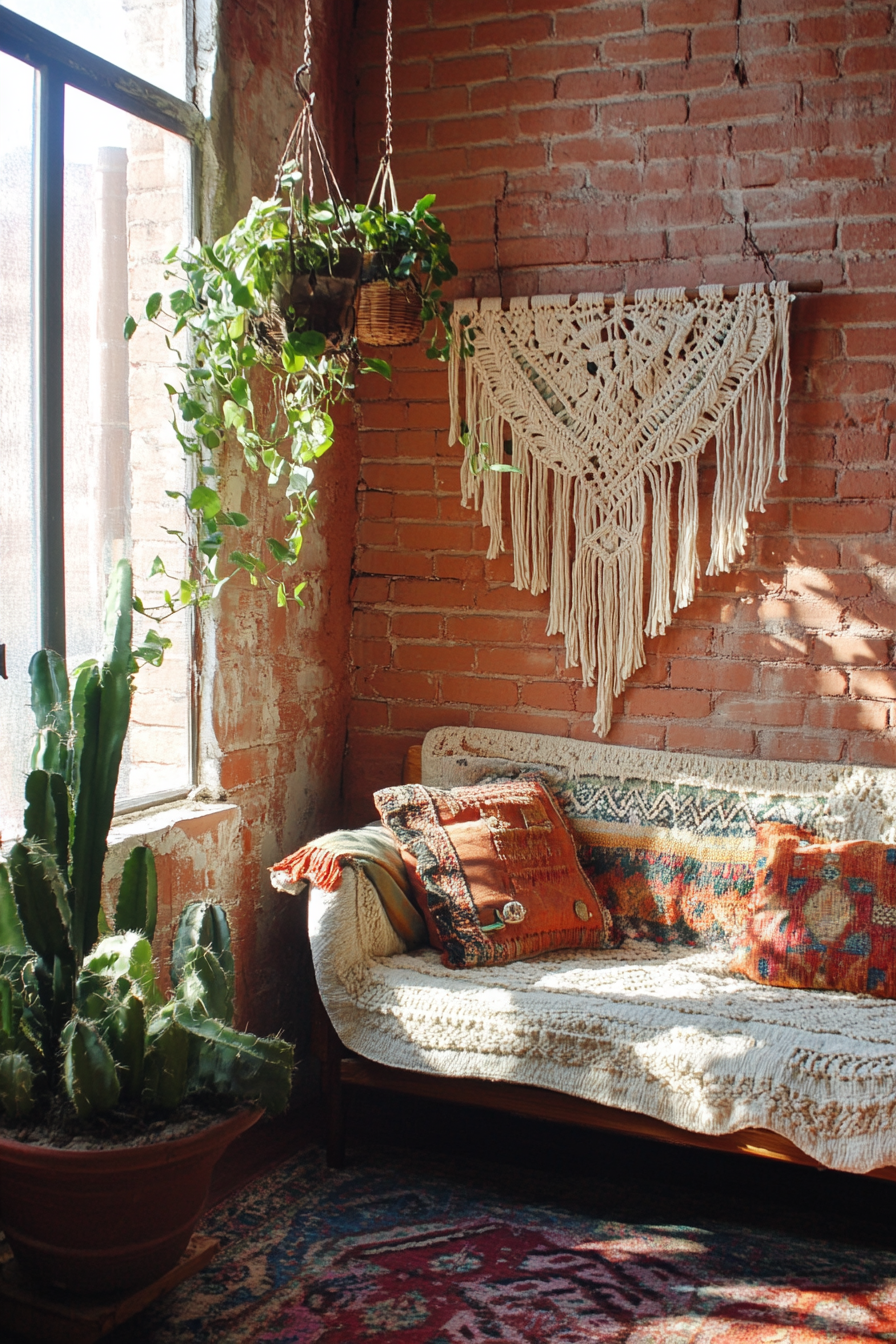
x: 88, y: 1041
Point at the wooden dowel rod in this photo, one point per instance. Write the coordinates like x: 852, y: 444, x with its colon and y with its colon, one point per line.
x: 730, y: 292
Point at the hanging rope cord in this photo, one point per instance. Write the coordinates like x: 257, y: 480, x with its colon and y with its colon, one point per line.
x: 383, y: 188
x: 304, y: 142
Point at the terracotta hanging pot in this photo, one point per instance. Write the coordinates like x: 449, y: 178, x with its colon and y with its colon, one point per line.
x: 111, y: 1219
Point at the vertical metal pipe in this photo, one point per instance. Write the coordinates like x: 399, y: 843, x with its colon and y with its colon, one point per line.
x: 48, y: 209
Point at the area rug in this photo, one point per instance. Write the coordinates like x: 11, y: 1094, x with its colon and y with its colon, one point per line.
x: 399, y: 1248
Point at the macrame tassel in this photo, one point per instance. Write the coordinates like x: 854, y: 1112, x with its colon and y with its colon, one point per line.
x: 672, y: 372
x: 659, y: 612
x: 520, y: 520
x: 561, y: 579
x: 783, y: 300
x: 687, y: 561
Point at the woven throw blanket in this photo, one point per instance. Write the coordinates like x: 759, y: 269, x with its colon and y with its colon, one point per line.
x: 601, y: 400
x: 666, y: 1032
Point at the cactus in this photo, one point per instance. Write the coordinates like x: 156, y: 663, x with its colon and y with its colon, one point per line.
x: 88, y: 1018
x: 137, y: 895
x: 91, y: 1079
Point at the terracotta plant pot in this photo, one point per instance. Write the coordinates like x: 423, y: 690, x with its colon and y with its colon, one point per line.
x: 108, y: 1220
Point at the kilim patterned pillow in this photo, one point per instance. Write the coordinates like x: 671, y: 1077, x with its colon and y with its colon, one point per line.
x: 673, y: 887
x: 822, y: 915
x: 495, y: 871
x: 672, y: 862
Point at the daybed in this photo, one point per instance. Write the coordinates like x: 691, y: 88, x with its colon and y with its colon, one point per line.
x: 662, y: 1041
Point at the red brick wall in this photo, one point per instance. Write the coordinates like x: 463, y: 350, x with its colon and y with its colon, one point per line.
x: 280, y: 686
x: 606, y: 146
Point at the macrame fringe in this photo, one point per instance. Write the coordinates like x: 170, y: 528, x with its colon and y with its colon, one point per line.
x: 577, y: 496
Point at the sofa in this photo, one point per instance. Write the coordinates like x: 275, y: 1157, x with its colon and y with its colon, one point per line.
x: 659, y: 1040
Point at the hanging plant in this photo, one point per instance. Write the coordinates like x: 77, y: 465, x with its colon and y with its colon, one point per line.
x: 276, y: 293
x: 407, y: 259
x: 279, y: 293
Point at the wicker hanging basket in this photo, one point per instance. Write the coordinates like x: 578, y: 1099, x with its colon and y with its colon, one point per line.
x: 388, y: 314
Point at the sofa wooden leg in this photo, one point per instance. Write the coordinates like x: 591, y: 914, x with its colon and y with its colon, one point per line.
x: 335, y: 1103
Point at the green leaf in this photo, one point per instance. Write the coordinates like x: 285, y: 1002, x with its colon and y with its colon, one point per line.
x: 130, y: 326
x: 232, y: 520
x: 207, y: 500
x: 234, y: 415
x: 311, y: 344
x: 153, y: 304
x: 281, y: 594
x: 281, y: 553
x: 239, y: 390
x: 291, y: 359
x: 158, y: 567
x: 380, y: 366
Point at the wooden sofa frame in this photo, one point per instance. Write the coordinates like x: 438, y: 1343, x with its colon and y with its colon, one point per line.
x: 342, y: 1069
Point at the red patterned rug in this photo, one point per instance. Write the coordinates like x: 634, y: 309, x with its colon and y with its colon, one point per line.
x: 398, y: 1248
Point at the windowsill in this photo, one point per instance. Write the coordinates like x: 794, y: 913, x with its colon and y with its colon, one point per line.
x: 162, y: 817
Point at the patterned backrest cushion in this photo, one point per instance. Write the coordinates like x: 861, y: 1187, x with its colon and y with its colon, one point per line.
x: 495, y: 871
x: 672, y: 863
x: 822, y: 915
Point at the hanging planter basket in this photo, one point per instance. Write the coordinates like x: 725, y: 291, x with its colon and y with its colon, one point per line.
x: 325, y: 301
x: 321, y: 298
x: 389, y: 311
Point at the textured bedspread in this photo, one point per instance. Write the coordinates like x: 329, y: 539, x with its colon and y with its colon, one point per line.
x: 665, y: 1032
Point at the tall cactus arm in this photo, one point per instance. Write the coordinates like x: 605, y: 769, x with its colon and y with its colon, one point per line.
x: 138, y: 894
x: 166, y: 1063
x: 84, y: 706
x: 91, y: 1079
x: 41, y: 902
x: 123, y: 1028
x: 47, y: 814
x: 100, y: 762
x: 130, y: 955
x: 205, y: 988
x: 238, y: 1064
x: 202, y: 924
x: 118, y: 619
x: 16, y: 1084
x: 12, y: 935
x: 52, y: 712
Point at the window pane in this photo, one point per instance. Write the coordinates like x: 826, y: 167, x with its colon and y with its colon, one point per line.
x: 19, y: 617
x: 145, y: 36
x: 126, y: 205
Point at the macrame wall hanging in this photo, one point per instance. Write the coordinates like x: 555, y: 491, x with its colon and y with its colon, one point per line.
x: 601, y: 397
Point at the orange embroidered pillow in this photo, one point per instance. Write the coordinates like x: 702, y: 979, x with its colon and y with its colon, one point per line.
x: 822, y: 916
x: 495, y: 871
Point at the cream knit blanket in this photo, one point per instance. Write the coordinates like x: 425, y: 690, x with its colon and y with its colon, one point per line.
x: 668, y: 1033
x: 601, y: 402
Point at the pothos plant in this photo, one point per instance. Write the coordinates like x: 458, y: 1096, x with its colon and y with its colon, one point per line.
x: 412, y: 245
x: 229, y: 315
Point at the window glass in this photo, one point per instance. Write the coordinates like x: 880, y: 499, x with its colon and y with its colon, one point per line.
x: 126, y: 205
x: 145, y: 36
x: 19, y: 629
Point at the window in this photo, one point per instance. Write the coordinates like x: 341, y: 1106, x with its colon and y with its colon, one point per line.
x: 96, y: 173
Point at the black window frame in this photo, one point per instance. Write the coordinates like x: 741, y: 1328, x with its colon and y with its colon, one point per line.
x: 58, y: 63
